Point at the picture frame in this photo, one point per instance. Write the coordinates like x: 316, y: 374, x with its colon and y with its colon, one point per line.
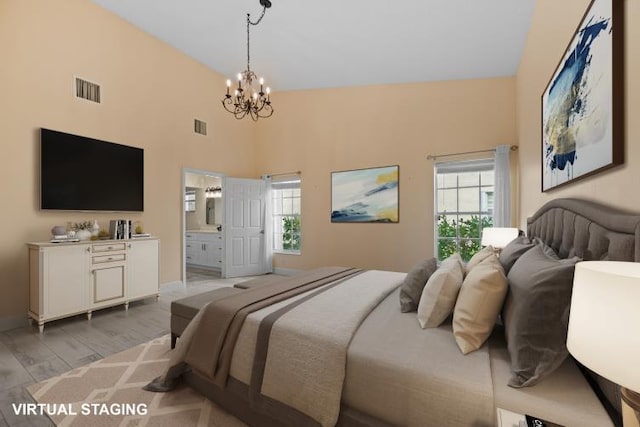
x: 368, y: 195
x: 583, y: 102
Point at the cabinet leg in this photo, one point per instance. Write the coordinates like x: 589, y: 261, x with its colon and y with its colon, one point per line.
x: 126, y: 306
x: 89, y: 315
x: 157, y: 297
x: 41, y: 327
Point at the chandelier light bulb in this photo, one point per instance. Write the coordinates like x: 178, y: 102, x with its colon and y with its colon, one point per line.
x: 228, y: 83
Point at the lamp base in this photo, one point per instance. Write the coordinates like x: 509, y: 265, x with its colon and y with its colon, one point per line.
x: 632, y: 399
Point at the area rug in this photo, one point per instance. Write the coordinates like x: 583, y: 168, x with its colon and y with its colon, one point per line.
x: 109, y: 392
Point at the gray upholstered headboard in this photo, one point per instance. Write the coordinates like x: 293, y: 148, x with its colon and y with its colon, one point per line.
x: 591, y: 231
x: 587, y: 229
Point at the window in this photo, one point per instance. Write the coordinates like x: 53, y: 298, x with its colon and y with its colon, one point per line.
x: 286, y: 216
x: 464, y: 197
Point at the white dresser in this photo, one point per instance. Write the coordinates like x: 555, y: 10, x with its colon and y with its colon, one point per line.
x: 204, y: 249
x: 71, y: 278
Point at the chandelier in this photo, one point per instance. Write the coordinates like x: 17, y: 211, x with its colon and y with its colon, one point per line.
x: 250, y: 97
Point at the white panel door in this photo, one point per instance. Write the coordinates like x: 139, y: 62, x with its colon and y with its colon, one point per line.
x: 243, y: 229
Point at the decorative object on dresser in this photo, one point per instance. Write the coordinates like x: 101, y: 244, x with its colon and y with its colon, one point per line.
x: 498, y: 237
x: 582, y: 105
x: 120, y: 229
x: 603, y: 324
x: 59, y: 230
x: 72, y: 278
x: 365, y: 195
x: 83, y: 230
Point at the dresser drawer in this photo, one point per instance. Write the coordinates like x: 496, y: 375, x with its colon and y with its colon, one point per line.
x: 108, y: 247
x: 99, y: 259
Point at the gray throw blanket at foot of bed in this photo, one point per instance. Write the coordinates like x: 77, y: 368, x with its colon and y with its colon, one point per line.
x: 301, y: 348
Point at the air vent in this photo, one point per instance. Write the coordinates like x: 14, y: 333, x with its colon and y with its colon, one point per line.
x: 87, y: 90
x: 200, y: 127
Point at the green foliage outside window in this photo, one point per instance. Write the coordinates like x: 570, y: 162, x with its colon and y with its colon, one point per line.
x: 291, y: 233
x: 463, y: 236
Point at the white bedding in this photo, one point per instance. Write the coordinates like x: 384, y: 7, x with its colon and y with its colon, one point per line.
x: 404, y: 375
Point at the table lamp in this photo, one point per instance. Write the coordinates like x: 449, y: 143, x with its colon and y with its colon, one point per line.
x: 603, y: 325
x: 498, y: 237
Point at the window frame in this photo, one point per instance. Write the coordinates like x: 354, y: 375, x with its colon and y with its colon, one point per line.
x: 461, y: 166
x: 275, y: 215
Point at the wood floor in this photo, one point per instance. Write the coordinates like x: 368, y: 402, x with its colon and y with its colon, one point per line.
x: 27, y: 357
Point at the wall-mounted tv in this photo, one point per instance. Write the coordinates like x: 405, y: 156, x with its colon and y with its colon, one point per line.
x: 86, y: 174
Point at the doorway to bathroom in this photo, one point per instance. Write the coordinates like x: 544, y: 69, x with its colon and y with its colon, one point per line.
x: 203, y: 218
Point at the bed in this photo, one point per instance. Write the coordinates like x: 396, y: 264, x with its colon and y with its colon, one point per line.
x: 393, y: 371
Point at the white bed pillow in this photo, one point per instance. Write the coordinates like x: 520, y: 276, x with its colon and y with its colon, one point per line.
x: 440, y: 293
x: 478, y: 257
x: 479, y: 303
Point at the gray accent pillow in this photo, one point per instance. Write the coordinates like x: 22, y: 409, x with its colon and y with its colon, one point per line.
x: 548, y: 250
x: 510, y: 253
x: 411, y: 288
x: 536, y: 315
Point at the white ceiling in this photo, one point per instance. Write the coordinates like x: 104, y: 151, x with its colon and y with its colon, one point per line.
x: 336, y: 43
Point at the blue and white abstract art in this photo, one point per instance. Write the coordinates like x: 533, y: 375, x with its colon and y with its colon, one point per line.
x: 365, y: 195
x: 577, y: 107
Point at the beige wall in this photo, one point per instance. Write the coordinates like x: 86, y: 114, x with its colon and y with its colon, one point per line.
x: 151, y: 94
x: 553, y: 25
x: 321, y: 131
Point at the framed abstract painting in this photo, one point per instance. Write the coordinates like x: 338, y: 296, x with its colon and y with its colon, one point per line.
x: 582, y: 105
x: 365, y: 195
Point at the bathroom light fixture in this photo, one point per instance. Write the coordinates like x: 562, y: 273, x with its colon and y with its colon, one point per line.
x: 213, y: 192
x: 250, y: 97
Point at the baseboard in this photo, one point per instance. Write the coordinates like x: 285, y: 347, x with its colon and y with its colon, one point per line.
x: 286, y: 271
x: 8, y: 323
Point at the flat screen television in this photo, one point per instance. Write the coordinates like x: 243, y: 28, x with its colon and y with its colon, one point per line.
x: 86, y: 174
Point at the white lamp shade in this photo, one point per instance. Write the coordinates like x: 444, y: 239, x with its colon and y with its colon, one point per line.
x: 604, y: 320
x: 498, y: 237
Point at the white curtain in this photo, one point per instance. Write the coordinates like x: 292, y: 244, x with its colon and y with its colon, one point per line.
x: 502, y: 177
x: 268, y: 224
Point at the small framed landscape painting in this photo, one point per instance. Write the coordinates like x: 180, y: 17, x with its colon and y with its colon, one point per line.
x: 582, y: 105
x: 365, y: 195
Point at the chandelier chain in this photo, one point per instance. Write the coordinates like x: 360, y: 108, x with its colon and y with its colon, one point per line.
x: 250, y: 22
